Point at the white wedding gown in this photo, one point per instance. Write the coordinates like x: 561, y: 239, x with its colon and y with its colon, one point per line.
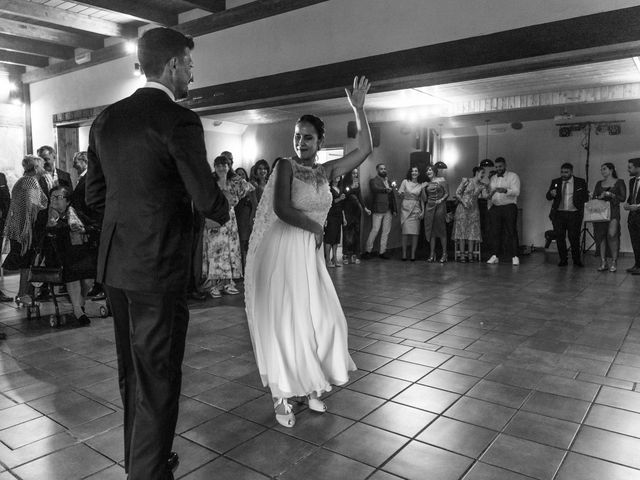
x: 297, y: 326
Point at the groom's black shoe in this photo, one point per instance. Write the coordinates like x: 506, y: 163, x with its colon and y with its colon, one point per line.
x: 173, y: 462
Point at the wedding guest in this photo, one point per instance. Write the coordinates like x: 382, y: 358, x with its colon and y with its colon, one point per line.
x: 259, y: 177
x: 333, y: 224
x: 245, y: 211
x: 569, y: 194
x: 435, y: 215
x: 383, y: 210
x: 607, y: 234
x: 411, y: 192
x: 24, y: 228
x: 633, y: 207
x: 503, y: 213
x: 353, y: 208
x: 222, y: 260
x: 466, y: 228
x: 53, y: 175
x: 5, y: 202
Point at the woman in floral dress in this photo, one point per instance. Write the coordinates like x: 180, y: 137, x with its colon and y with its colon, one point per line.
x: 222, y: 260
x: 466, y: 229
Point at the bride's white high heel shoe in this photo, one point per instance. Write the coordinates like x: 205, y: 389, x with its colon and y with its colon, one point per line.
x: 284, y: 413
x: 316, y: 404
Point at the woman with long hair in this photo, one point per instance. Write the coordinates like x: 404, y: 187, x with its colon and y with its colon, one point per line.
x: 411, y: 210
x: 607, y: 234
x: 435, y: 215
x: 222, y: 260
x: 297, y: 326
x: 353, y: 208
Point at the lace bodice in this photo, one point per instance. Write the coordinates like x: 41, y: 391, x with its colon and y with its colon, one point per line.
x: 310, y: 191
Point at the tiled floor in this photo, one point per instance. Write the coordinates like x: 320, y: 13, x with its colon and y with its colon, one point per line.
x: 467, y: 371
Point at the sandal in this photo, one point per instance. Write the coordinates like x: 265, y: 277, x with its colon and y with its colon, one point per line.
x: 231, y: 290
x: 431, y: 259
x: 215, y: 292
x: 315, y: 404
x: 603, y: 267
x: 284, y: 413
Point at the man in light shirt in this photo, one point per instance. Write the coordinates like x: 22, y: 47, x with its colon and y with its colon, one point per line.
x: 503, y: 213
x: 569, y: 194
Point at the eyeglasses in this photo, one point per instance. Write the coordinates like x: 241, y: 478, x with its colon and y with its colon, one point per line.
x: 58, y: 197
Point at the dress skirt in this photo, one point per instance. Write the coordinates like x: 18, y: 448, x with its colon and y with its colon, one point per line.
x: 410, y: 216
x: 299, y: 331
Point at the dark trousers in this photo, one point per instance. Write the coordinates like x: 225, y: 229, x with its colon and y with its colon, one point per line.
x: 634, y: 233
x: 351, y: 238
x: 503, y: 221
x: 150, y: 333
x: 568, y: 224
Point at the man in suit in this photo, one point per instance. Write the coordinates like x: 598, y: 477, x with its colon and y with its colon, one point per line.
x: 383, y: 210
x: 54, y: 176
x: 633, y: 207
x: 568, y: 194
x: 147, y: 164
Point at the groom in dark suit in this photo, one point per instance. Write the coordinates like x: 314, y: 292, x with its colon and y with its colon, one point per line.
x: 147, y: 164
x: 633, y: 207
x: 568, y: 195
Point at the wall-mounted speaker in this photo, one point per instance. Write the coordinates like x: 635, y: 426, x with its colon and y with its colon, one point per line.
x: 375, y: 132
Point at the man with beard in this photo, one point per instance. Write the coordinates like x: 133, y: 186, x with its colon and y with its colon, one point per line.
x: 383, y: 210
x: 147, y: 167
x: 53, y: 176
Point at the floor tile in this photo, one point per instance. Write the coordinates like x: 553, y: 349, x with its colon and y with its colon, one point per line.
x: 468, y: 366
x: 481, y: 413
x: 459, y: 437
x: 502, y: 394
x: 580, y: 467
x: 29, y: 432
x: 228, y: 395
x: 451, y: 381
x: 271, y: 452
x: 425, y: 357
x: 404, y: 370
x: 483, y: 471
x: 316, y: 428
x: 379, y: 385
x: 610, y: 446
x: 427, y: 398
x: 615, y: 397
x: 418, y: 461
x: 615, y: 420
x: 568, y: 387
x: 322, y: 465
x: 366, y: 444
x: 69, y: 464
x: 557, y: 406
x: 401, y: 419
x: 223, y: 432
x: 522, y: 456
x: 353, y: 405
x: 542, y: 429
x: 224, y: 469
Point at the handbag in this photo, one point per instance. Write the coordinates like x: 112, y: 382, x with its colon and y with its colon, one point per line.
x: 39, y: 273
x: 597, y: 211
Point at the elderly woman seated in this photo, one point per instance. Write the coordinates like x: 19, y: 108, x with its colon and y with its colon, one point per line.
x: 68, y: 244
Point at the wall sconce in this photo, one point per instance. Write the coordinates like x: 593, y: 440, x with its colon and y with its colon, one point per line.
x: 137, y: 70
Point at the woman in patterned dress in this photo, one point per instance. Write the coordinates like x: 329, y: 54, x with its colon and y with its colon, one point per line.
x: 222, y: 260
x: 466, y: 229
x: 297, y: 326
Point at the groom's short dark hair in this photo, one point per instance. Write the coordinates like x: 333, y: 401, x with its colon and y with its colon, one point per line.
x: 159, y: 45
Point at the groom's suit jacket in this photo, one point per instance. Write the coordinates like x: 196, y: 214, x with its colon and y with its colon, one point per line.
x: 147, y: 163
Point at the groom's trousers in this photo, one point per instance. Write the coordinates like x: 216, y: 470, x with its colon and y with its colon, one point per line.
x: 150, y: 331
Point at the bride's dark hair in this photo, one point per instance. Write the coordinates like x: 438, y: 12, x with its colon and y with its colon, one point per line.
x: 315, y: 122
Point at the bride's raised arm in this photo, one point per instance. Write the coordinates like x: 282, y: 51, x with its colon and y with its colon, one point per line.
x: 351, y: 160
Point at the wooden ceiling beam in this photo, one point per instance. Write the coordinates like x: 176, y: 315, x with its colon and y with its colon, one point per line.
x: 247, y: 13
x: 213, y: 6
x: 23, y: 59
x: 36, y: 32
x: 14, y: 71
x: 58, y: 16
x: 135, y: 9
x: 34, y: 47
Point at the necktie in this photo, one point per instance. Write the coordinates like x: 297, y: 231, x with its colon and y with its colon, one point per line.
x: 564, y: 195
x: 635, y: 191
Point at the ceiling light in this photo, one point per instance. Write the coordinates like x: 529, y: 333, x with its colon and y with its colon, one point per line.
x: 130, y: 47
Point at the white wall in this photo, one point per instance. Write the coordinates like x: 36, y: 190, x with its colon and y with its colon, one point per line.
x: 324, y: 33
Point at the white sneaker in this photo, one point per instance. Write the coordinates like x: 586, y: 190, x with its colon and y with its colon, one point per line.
x: 515, y: 261
x: 493, y: 260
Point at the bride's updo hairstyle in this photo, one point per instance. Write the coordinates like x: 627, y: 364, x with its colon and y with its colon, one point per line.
x: 315, y: 122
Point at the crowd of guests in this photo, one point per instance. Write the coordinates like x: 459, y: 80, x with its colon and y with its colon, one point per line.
x: 46, y: 222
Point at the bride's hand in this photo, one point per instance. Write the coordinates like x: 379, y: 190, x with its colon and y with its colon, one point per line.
x: 357, y: 95
x: 318, y: 239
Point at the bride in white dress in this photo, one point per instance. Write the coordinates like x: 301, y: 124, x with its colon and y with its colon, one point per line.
x: 297, y: 326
